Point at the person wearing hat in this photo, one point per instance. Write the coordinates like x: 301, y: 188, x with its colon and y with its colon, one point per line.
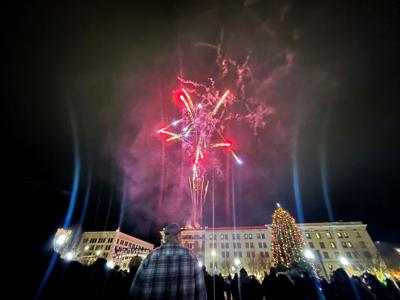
x: 170, y: 271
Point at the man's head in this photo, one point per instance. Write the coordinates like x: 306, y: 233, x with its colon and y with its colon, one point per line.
x: 172, y: 232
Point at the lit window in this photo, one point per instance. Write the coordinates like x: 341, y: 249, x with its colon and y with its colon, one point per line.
x: 349, y: 244
x: 330, y: 267
x: 250, y: 236
x: 318, y: 235
x: 245, y: 236
x: 345, y: 234
x: 333, y: 245
x: 328, y: 235
x: 308, y: 236
x: 339, y: 234
x: 344, y: 244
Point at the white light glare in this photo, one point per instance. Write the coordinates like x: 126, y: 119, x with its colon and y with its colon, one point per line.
x: 110, y: 265
x: 344, y: 261
x: 237, y: 261
x: 213, y: 253
x: 69, y: 255
x: 61, y: 239
x: 200, y: 264
x: 308, y: 254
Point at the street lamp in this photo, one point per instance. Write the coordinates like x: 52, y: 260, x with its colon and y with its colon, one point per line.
x: 308, y: 254
x: 344, y: 261
x: 236, y: 262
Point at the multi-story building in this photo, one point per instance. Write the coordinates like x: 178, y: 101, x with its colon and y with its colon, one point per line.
x: 115, y: 246
x: 328, y: 245
x: 227, y: 249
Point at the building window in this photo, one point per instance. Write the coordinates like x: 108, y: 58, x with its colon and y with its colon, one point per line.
x: 355, y: 254
x: 333, y: 245
x: 227, y: 254
x: 308, y: 236
x: 339, y: 234
x: 322, y: 245
x: 258, y: 235
x: 240, y: 254
x: 358, y: 235
x: 262, y: 235
x: 344, y: 244
x: 253, y: 254
x: 223, y: 254
x: 265, y: 244
x: 84, y: 241
x: 348, y: 254
x: 337, y: 254
x: 234, y: 245
x: 222, y: 245
x: 239, y: 245
x: 215, y: 245
x: 235, y: 254
x: 367, y: 254
x: 251, y: 245
x: 248, y: 254
x: 311, y: 244
x: 245, y: 236
x: 330, y: 267
x: 349, y: 244
x: 247, y: 245
x: 362, y: 244
x: 326, y: 255
x: 259, y: 245
x: 210, y: 237
x: 250, y: 236
x: 227, y: 245
x: 222, y: 236
x: 328, y: 235
x: 237, y: 236
x: 266, y: 254
x: 110, y: 240
x: 211, y: 244
x: 318, y: 235
x: 345, y: 235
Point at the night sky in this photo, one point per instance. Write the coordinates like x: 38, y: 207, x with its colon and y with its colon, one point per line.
x: 329, y: 70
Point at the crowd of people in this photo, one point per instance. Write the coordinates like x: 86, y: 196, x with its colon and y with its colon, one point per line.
x: 72, y: 280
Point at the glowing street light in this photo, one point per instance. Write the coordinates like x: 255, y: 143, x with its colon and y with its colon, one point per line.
x: 69, y: 256
x: 61, y: 239
x: 344, y: 261
x: 308, y: 254
x: 236, y: 261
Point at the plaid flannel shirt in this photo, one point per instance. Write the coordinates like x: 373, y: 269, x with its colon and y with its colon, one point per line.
x: 169, y: 272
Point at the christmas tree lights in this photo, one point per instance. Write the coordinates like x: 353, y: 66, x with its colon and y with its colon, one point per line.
x: 287, y: 240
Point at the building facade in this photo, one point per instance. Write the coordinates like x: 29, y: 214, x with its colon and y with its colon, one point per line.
x: 329, y: 245
x: 115, y: 246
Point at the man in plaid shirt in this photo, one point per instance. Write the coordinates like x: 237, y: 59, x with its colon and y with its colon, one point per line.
x: 169, y: 272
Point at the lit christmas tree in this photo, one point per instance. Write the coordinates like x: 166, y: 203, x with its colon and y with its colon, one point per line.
x: 287, y: 240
